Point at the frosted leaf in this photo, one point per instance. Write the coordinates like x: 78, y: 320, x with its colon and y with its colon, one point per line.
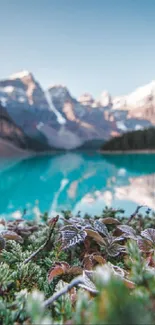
x: 71, y: 235
x: 101, y: 227
x: 128, y: 231
x: 115, y: 249
x: 149, y: 234
x: 88, y: 281
x: 144, y: 245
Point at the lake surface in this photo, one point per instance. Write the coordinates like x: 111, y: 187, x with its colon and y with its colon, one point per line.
x: 76, y: 181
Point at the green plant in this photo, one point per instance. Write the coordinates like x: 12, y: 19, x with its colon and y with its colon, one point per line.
x: 83, y: 271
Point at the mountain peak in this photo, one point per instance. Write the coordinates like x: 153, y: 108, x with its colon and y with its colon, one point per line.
x: 59, y: 91
x: 86, y: 99
x: 21, y: 74
x: 105, y: 99
x: 24, y: 89
x: 138, y: 98
x: 58, y: 87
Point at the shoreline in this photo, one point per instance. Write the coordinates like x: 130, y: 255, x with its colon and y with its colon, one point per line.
x: 9, y: 150
x: 126, y: 152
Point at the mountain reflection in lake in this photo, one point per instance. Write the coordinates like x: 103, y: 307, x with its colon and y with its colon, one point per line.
x: 78, y: 182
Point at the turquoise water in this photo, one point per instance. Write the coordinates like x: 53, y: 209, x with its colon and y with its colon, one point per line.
x: 76, y: 181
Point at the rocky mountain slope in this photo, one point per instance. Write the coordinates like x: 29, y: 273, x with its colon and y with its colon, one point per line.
x: 21, y: 88
x: 63, y: 122
x: 10, y: 131
x: 14, y: 140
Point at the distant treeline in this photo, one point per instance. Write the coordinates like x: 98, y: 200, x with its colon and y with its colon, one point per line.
x: 135, y: 140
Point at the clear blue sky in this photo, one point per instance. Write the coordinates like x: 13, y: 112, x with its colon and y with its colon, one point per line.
x: 88, y: 45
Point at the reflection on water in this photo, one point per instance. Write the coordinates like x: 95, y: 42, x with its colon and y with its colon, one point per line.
x: 77, y: 181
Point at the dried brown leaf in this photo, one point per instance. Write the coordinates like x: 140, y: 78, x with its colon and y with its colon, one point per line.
x: 110, y: 221
x: 11, y: 235
x: 74, y: 270
x: 57, y: 269
x: 88, y: 262
x: 95, y: 235
x: 99, y: 259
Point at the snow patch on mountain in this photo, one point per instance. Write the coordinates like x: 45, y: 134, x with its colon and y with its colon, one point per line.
x: 121, y: 126
x: 3, y: 101
x: 60, y: 118
x: 138, y: 127
x: 20, y: 75
x: 9, y: 89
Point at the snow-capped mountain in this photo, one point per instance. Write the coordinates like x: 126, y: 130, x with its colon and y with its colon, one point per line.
x: 106, y: 113
x: 82, y: 116
x: 137, y: 98
x: 22, y: 88
x: 139, y: 104
x: 64, y: 122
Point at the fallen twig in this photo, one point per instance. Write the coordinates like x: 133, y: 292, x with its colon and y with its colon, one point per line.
x: 133, y: 215
x: 74, y: 283
x: 53, y: 223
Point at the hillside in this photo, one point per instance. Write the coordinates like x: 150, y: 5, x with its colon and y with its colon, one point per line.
x: 12, y: 134
x: 136, y: 140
